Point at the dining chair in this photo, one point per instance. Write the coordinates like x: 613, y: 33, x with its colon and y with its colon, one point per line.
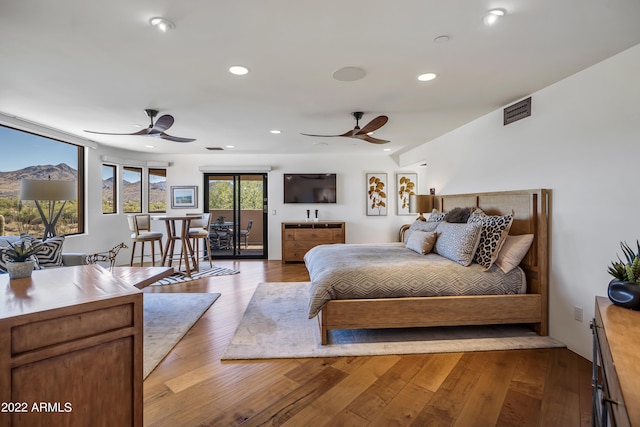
x: 140, y: 227
x: 244, y: 234
x: 199, y: 229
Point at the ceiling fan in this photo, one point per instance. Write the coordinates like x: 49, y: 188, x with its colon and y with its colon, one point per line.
x: 156, y: 130
x: 363, y: 133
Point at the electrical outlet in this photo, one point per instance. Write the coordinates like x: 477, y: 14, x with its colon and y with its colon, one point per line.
x: 577, y: 314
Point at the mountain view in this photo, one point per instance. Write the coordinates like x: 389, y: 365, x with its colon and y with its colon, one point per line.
x: 24, y: 217
x: 10, y: 181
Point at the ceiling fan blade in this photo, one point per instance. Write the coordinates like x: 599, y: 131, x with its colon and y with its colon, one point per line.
x: 162, y: 124
x: 373, y: 125
x: 324, y: 136
x: 141, y: 132
x: 371, y: 139
x: 175, y: 138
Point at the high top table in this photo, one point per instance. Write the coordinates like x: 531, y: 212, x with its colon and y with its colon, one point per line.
x: 183, y: 237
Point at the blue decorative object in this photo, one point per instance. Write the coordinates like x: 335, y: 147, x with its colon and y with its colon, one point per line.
x: 624, y: 294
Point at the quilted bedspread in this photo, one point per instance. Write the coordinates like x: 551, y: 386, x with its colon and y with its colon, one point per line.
x: 390, y: 270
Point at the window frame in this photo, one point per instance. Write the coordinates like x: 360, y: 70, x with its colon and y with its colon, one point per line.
x: 81, y: 173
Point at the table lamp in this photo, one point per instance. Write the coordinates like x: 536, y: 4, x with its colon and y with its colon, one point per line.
x: 420, y: 203
x: 50, y: 191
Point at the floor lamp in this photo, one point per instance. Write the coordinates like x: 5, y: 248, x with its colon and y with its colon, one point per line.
x: 50, y: 191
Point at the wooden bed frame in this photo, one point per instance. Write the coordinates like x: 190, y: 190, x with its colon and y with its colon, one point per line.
x: 531, y: 208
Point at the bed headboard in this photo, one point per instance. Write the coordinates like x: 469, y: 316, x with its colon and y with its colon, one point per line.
x: 531, y: 216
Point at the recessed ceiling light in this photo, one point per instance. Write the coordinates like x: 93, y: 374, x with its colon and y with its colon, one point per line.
x: 162, y: 24
x: 493, y: 15
x: 230, y: 146
x: 150, y: 146
x: 349, y: 74
x: 386, y: 149
x: 426, y: 77
x: 238, y: 70
x: 275, y: 131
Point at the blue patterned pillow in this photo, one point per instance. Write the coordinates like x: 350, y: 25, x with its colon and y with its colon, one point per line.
x: 436, y: 216
x: 458, y: 242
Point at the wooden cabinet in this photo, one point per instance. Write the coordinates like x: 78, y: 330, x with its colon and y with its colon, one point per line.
x: 299, y: 237
x: 616, y: 365
x: 70, y: 349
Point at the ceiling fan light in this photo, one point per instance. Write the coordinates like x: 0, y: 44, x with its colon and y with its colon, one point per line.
x: 162, y: 24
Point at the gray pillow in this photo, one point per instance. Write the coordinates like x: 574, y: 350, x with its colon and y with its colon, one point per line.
x: 458, y: 242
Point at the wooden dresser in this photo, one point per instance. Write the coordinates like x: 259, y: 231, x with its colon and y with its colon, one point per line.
x: 299, y: 237
x: 616, y: 365
x: 70, y: 349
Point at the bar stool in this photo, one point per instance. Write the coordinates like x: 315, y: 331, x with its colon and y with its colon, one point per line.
x: 140, y: 227
x: 199, y: 229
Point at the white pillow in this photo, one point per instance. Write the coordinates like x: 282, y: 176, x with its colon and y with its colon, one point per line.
x: 421, y: 241
x: 458, y: 241
x: 513, y: 251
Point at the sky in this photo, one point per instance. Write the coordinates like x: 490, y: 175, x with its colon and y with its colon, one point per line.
x: 21, y: 149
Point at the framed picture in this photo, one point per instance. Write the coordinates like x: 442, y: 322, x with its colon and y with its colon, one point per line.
x: 406, y: 185
x: 184, y: 197
x: 376, y: 194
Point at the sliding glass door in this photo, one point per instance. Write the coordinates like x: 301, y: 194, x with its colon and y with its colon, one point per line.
x: 238, y: 206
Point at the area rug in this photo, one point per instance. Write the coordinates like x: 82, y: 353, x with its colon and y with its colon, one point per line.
x: 167, y: 318
x: 276, y: 325
x: 204, y: 272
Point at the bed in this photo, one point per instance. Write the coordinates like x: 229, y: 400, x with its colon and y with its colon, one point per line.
x: 530, y: 216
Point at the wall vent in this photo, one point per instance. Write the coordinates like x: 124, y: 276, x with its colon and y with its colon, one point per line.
x: 517, y: 111
x: 214, y: 148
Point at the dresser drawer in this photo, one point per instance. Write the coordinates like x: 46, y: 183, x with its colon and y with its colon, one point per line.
x: 35, y: 335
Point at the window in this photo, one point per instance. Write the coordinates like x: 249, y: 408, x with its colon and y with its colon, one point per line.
x: 157, y: 190
x: 109, y: 190
x: 31, y: 156
x: 132, y: 189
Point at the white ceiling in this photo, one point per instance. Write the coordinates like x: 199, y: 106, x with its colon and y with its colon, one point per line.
x: 86, y: 64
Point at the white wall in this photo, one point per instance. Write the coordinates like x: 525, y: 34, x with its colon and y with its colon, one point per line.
x: 350, y: 206
x: 583, y: 142
x: 105, y: 231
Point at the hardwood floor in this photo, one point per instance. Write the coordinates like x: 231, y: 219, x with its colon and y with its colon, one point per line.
x: 192, y: 387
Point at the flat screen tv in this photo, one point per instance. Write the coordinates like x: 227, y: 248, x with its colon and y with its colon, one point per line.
x: 310, y: 188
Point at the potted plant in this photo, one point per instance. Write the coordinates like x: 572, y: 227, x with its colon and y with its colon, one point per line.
x: 19, y: 258
x: 624, y: 289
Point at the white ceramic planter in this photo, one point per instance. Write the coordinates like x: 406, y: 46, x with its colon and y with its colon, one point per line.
x: 19, y: 270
